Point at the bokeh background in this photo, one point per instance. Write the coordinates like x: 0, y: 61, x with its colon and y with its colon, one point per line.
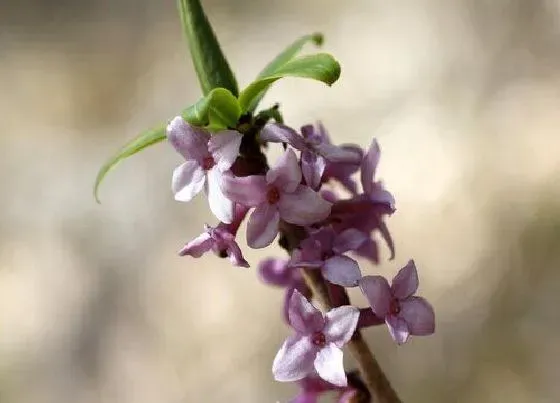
x: 95, y: 305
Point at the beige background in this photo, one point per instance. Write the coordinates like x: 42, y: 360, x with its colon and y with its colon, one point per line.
x: 95, y: 306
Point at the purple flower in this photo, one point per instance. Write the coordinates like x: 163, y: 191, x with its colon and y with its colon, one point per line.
x: 312, y: 387
x: 278, y: 195
x: 278, y: 273
x: 316, y: 149
x: 221, y: 241
x: 324, y: 249
x: 206, y: 159
x: 372, y: 188
x: 404, y: 313
x: 317, y: 343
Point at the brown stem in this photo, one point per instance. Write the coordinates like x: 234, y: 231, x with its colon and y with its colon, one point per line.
x: 372, y: 374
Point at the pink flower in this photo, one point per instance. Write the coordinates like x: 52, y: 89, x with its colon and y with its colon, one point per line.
x: 404, y: 313
x: 278, y: 195
x: 276, y: 272
x: 221, y: 241
x: 316, y: 149
x: 372, y: 188
x: 317, y: 343
x: 206, y: 159
x: 312, y: 387
x: 325, y: 249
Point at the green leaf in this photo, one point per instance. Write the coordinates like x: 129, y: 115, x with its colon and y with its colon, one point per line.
x: 223, y: 110
x: 285, y: 56
x: 209, y: 61
x: 321, y: 67
x: 219, y: 108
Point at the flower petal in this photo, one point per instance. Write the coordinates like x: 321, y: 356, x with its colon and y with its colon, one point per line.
x: 338, y: 154
x: 235, y: 255
x: 189, y: 141
x: 329, y: 365
x: 310, y: 258
x: 419, y: 315
x: 294, y: 360
x: 277, y: 133
x: 303, y: 316
x: 378, y: 293
x: 188, y: 180
x: 342, y: 270
x: 286, y: 174
x: 224, y: 147
x: 262, y: 227
x: 198, y: 246
x: 312, y: 168
x: 247, y: 190
x: 405, y: 283
x: 303, y: 207
x: 397, y: 328
x: 220, y: 205
x: 349, y: 240
x: 341, y: 324
x: 275, y: 272
x: 369, y: 166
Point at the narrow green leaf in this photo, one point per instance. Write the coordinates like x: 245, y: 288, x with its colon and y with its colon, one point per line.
x: 321, y: 67
x: 209, y: 61
x: 145, y: 139
x: 219, y: 108
x: 285, y: 56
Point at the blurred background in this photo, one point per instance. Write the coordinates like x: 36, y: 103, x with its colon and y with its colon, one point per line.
x: 95, y: 304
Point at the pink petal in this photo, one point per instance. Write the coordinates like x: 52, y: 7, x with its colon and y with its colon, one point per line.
x: 306, y: 258
x: 397, y: 328
x: 275, y: 272
x: 262, y: 227
x: 277, y: 133
x: 224, y: 147
x: 235, y: 255
x: 220, y: 205
x: 369, y: 166
x: 405, y: 283
x: 303, y: 316
x: 198, y: 246
x: 419, y: 315
x: 329, y: 365
x: 342, y: 270
x: 286, y: 175
x: 303, y: 207
x: 378, y: 293
x: 338, y: 154
x: 188, y: 180
x: 294, y: 360
x: 189, y: 141
x: 247, y: 190
x: 349, y: 240
x: 340, y: 324
x: 312, y: 168
x: 369, y: 250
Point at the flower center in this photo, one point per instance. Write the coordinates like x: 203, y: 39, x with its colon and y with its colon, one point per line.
x: 208, y: 162
x: 394, y: 307
x: 272, y: 195
x: 319, y: 339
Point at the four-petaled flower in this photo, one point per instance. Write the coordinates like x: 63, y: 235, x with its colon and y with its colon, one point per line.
x: 218, y: 239
x: 324, y: 249
x: 316, y: 345
x: 404, y: 313
x: 278, y: 195
x: 207, y: 158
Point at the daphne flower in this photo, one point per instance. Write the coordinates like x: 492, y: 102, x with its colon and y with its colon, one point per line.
x: 325, y: 250
x: 221, y: 241
x: 374, y: 189
x: 278, y: 195
x: 404, y: 313
x: 206, y: 159
x: 316, y: 149
x: 317, y: 343
x: 313, y: 387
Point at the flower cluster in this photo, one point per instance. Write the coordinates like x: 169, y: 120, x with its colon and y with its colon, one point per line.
x: 291, y: 198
